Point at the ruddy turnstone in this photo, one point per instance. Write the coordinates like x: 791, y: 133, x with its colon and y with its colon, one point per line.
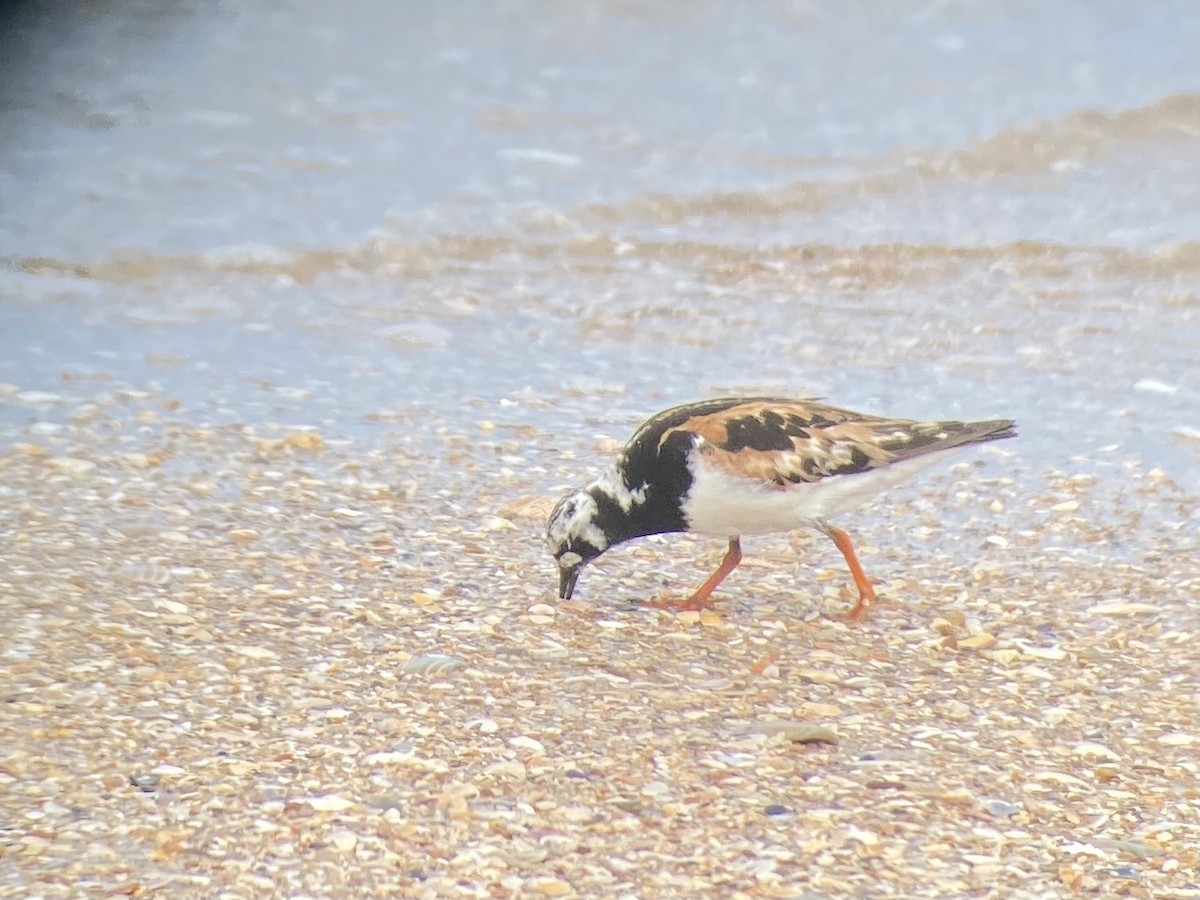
x: 749, y: 465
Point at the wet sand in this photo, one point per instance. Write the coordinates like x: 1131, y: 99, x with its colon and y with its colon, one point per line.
x: 296, y: 351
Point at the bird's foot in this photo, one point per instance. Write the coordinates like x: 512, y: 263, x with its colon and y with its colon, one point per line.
x: 858, y: 612
x: 693, y: 603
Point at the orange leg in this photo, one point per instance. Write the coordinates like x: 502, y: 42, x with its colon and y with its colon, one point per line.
x: 866, y: 593
x: 699, y: 600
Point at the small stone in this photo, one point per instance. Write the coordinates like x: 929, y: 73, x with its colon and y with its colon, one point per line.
x: 431, y: 664
x: 304, y: 440
x: 344, y: 839
x: 549, y: 886
x: 955, y: 709
x: 401, y: 752
x: 329, y: 803
x: 1121, y: 608
x: 1051, y: 653
x: 957, y: 618
x: 943, y: 626
x: 1001, y: 809
x: 1065, y: 506
x: 1154, y: 386
x: 821, y: 710
x: 146, y: 573
x: 1177, y: 739
x: 147, y: 782
x: 39, y: 398
x: 72, y: 465
x: 776, y: 809
x: 136, y: 460
x: 508, y: 769
x: 1091, y: 748
x: 524, y: 742
x: 1006, y: 657
x: 497, y: 523
x: 980, y: 641
x: 173, y: 606
x: 800, y: 732
x: 864, y: 837
x: 253, y: 652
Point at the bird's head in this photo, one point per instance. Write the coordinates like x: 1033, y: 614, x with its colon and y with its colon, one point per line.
x: 574, y: 537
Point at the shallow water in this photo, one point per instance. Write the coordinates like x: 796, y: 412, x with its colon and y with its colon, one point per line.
x: 306, y: 214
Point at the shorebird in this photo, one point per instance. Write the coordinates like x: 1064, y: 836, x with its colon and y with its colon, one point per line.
x: 739, y: 466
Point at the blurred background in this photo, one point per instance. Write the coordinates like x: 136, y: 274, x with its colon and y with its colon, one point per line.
x: 391, y: 222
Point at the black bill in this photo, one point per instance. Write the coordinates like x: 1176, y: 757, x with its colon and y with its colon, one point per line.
x: 566, y: 582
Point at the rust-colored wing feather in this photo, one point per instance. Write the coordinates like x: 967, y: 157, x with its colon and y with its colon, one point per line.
x: 784, y: 442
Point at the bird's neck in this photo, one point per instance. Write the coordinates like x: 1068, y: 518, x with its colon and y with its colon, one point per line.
x: 626, y: 512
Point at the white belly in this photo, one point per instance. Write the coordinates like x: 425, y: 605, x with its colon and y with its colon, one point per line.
x: 725, y: 505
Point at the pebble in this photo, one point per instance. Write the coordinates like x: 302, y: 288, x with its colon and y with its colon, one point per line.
x: 524, y: 742
x: 328, y: 803
x: 72, y: 465
x: 135, y: 460
x: 549, y: 886
x: 431, y: 664
x: 344, y: 839
x: 39, y: 398
x: 172, y: 606
x: 1177, y: 739
x: 389, y: 757
x: 145, y: 573
x: 1122, y: 608
x: 251, y: 651
x: 146, y: 781
x: 954, y: 709
x: 1091, y: 748
x: 1154, y: 386
x: 800, y: 732
x: 1051, y: 653
x: 980, y: 641
x: 497, y: 523
x: 1001, y: 809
